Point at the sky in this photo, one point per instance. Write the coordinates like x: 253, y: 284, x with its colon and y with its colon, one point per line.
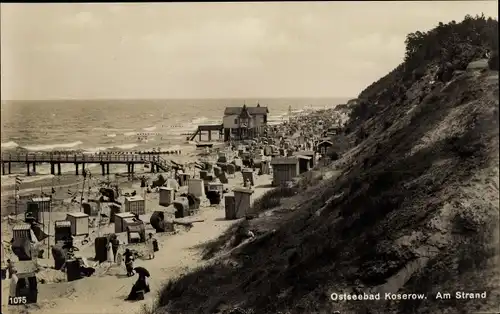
x: 209, y: 50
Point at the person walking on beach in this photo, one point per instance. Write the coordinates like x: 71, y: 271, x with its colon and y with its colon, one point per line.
x: 110, y: 257
x: 129, y: 262
x: 151, y: 246
x: 10, y: 268
x: 141, y: 286
x: 115, y: 244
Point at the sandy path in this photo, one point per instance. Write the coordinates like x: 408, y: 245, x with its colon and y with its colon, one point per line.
x: 106, y: 294
x: 177, y: 255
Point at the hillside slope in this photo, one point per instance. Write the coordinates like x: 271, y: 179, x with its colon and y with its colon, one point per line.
x: 415, y: 208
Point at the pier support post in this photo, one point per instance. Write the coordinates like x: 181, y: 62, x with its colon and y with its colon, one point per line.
x: 58, y: 169
x: 34, y: 167
x: 199, y: 134
x: 76, y: 169
x: 3, y: 168
x: 130, y: 167
x: 10, y: 168
x: 103, y: 169
x: 83, y: 167
x: 209, y: 135
x: 28, y: 168
x: 52, y: 168
x: 152, y: 168
x: 107, y: 168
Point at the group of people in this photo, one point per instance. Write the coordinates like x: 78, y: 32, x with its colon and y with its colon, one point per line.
x: 141, y: 286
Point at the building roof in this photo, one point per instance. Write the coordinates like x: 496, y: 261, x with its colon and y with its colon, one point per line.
x: 77, y: 214
x: 229, y: 111
x: 244, y: 113
x: 40, y: 199
x: 62, y: 223
x: 21, y: 226
x: 305, y: 152
x: 134, y: 198
x: 284, y: 161
x: 325, y: 143
x: 25, y: 268
x: 125, y: 215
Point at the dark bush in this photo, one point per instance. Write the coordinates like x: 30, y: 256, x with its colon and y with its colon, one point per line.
x: 493, y: 61
x: 272, y: 198
x: 334, y: 155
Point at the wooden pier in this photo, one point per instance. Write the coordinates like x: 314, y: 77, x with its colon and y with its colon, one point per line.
x: 56, y: 159
x: 208, y: 128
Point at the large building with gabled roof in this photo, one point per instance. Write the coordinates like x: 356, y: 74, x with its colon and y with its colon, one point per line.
x: 244, y: 122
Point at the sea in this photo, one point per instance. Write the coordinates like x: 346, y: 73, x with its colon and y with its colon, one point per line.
x: 129, y: 125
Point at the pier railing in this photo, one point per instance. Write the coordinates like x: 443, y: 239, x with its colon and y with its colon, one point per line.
x: 79, y: 158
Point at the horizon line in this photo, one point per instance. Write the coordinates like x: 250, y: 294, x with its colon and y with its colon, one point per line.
x: 179, y: 98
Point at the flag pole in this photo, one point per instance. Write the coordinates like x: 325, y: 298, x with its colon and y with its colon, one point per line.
x: 15, y: 199
x: 16, y: 195
x: 83, y: 189
x: 48, y: 227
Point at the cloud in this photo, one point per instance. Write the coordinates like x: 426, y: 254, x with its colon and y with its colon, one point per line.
x: 82, y: 19
x: 115, y: 8
x: 198, y: 50
x: 211, y: 37
x: 58, y: 47
x: 213, y: 45
x: 377, y: 45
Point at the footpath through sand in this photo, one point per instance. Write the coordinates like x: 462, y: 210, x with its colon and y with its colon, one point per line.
x: 106, y: 293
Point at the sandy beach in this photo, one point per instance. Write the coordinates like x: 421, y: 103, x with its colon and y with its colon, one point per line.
x: 43, y: 183
x: 105, y: 291
x: 304, y: 157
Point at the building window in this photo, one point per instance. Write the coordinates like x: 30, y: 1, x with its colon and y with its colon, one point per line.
x: 235, y: 121
x: 265, y: 118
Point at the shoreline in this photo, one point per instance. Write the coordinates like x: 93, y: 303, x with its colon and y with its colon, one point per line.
x: 165, y: 266
x: 70, y: 180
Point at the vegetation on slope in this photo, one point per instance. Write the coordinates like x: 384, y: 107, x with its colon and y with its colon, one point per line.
x: 449, y: 47
x: 415, y: 208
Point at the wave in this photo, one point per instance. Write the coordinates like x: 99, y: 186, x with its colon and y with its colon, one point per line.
x: 173, y: 147
x: 42, y: 173
x: 111, y: 130
x: 126, y: 146
x: 130, y: 133
x: 94, y: 150
x: 11, y: 179
x: 144, y: 134
x: 10, y: 144
x: 199, y: 120
x: 180, y: 129
x: 111, y: 135
x: 151, y: 128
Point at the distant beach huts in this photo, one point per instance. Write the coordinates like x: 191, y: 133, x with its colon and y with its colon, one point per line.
x: 239, y: 204
x: 323, y: 146
x: 135, y: 205
x: 284, y: 170
x: 79, y: 223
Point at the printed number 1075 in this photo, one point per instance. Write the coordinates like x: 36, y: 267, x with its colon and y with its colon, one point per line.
x: 17, y: 300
